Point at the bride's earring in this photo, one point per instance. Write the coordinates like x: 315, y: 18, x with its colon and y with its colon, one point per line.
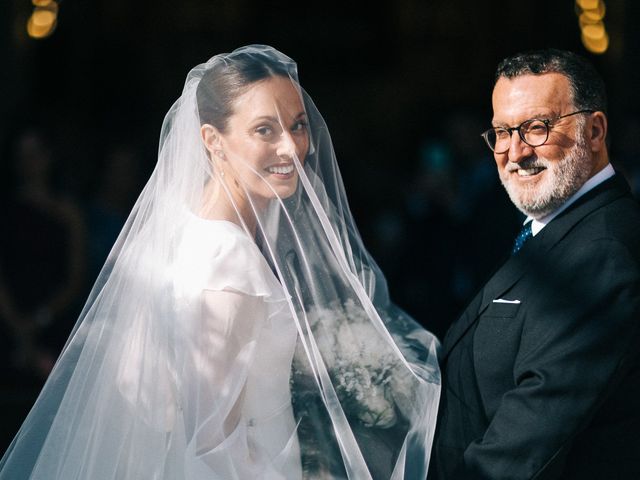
x: 220, y: 155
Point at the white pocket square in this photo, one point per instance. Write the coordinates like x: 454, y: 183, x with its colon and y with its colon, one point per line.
x: 504, y: 300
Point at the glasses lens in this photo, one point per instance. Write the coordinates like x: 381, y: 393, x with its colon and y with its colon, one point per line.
x: 498, y: 139
x: 535, y: 132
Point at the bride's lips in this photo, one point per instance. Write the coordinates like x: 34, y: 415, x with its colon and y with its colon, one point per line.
x: 281, y: 170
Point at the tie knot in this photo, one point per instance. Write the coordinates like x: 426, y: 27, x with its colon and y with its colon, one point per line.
x: 524, y: 235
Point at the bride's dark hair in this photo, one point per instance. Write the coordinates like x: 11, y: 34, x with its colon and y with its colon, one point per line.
x: 228, y: 79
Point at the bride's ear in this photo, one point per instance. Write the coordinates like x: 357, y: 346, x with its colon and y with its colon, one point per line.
x: 212, y: 139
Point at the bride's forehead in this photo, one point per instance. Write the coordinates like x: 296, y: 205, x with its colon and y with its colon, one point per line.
x: 277, y: 94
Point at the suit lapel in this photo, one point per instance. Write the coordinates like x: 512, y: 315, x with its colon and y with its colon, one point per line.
x: 516, y: 266
x: 501, y: 281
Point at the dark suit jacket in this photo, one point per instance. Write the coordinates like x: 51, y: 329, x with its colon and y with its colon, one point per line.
x: 548, y: 385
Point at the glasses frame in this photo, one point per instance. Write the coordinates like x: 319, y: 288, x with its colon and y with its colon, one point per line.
x: 548, y: 123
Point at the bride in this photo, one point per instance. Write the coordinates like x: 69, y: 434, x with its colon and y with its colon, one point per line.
x: 239, y: 329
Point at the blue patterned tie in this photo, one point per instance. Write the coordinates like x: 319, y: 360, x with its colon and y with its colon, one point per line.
x: 524, y: 235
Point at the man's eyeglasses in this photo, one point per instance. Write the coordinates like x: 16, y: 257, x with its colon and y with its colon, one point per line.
x: 534, y: 132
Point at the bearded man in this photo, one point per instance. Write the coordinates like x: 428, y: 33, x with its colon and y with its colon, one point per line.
x: 542, y: 371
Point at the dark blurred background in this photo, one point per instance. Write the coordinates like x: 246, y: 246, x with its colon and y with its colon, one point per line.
x: 404, y: 87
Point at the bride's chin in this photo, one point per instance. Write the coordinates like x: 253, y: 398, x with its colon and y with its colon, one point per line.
x: 285, y: 191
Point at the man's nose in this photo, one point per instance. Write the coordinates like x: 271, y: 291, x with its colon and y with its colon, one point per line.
x: 518, y: 149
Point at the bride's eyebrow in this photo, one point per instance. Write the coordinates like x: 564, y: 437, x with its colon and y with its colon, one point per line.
x: 273, y: 119
x: 265, y: 117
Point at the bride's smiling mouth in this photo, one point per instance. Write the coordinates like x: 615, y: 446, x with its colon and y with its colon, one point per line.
x: 283, y: 170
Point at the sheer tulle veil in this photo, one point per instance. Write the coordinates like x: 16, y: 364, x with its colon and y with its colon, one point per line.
x: 239, y: 328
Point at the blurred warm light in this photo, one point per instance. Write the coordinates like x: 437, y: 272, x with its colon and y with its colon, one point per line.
x: 595, y: 13
x: 595, y: 31
x: 39, y: 31
x: 596, y: 45
x: 583, y: 20
x: 43, y: 17
x: 43, y: 20
x: 587, y: 4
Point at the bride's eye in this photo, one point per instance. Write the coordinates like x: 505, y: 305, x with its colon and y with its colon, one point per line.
x: 264, y: 130
x: 299, y: 126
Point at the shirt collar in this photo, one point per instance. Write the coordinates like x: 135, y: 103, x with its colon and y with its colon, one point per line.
x: 597, y: 179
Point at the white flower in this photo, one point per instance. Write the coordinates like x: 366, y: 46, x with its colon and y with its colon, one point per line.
x: 363, y: 365
x: 377, y: 411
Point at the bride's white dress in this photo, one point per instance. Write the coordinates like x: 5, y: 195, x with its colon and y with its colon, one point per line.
x: 180, y: 365
x: 231, y: 377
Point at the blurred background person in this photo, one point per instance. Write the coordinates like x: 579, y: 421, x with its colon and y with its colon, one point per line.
x: 42, y: 261
x: 115, y: 188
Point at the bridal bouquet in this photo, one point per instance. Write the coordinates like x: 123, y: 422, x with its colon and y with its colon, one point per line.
x: 361, y: 363
x: 376, y: 389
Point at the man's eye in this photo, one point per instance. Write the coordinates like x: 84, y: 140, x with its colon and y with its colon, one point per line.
x: 501, y: 133
x: 537, y: 128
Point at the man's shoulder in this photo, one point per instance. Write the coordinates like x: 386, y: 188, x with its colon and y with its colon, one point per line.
x: 608, y: 211
x: 617, y: 220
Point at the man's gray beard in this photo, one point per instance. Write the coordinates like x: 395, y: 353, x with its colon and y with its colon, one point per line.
x: 569, y: 174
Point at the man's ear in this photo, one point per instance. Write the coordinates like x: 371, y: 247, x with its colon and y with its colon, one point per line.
x: 598, y: 131
x: 211, y: 138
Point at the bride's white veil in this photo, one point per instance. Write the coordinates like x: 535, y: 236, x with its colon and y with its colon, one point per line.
x: 256, y: 344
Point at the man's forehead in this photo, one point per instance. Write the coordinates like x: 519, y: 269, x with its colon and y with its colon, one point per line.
x: 530, y: 95
x: 529, y: 85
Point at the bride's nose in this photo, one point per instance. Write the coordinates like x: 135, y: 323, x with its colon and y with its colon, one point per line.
x: 286, y: 147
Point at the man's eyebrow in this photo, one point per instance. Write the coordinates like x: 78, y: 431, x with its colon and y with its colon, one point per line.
x: 537, y: 116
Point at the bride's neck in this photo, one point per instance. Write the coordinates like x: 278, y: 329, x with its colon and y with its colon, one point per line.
x: 220, y: 203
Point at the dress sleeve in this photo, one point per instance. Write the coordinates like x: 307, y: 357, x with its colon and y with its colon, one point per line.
x: 219, y: 256
x: 227, y: 298
x: 223, y: 345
